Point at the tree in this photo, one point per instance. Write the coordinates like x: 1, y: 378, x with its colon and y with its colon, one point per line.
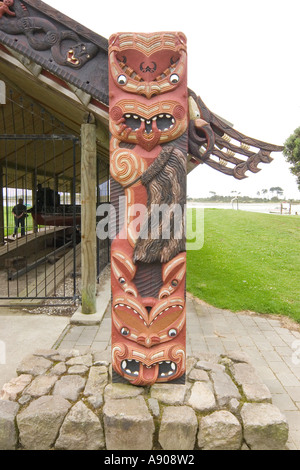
x: 277, y: 189
x: 292, y: 153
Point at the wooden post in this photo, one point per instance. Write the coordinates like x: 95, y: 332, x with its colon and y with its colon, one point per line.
x: 88, y: 214
x: 1, y: 208
x: 2, y: 92
x: 2, y: 101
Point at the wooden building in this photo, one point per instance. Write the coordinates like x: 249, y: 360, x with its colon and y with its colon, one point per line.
x: 53, y: 133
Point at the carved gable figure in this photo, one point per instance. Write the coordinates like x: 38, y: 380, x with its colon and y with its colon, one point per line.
x: 4, y: 8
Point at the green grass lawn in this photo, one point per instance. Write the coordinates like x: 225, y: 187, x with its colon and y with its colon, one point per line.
x: 248, y: 261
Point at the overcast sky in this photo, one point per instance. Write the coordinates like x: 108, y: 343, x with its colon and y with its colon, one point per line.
x: 243, y: 60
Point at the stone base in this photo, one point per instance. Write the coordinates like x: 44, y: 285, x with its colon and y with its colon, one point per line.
x: 64, y: 400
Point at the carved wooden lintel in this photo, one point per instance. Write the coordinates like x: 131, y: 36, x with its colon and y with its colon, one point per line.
x: 58, y: 44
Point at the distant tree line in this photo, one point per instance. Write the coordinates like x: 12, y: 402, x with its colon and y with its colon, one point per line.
x: 265, y: 195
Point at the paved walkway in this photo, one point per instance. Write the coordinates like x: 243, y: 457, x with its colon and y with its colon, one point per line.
x: 273, y: 349
x: 22, y: 334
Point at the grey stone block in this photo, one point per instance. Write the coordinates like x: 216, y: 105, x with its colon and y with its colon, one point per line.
x: 84, y: 360
x: 117, y: 391
x: 257, y: 392
x: 65, y: 354
x: 8, y: 434
x: 202, y: 397
x: 14, y: 387
x: 39, y: 423
x: 225, y: 389
x: 34, y: 365
x: 41, y: 385
x: 81, y: 430
x: 69, y: 387
x: 220, y: 431
x: 253, y: 387
x: 128, y: 424
x: 178, y: 428
x: 238, y: 356
x: 265, y: 427
x: 58, y: 369
x: 170, y: 394
x: 244, y: 373
x: 96, y: 382
x: 78, y: 370
x: 198, y: 375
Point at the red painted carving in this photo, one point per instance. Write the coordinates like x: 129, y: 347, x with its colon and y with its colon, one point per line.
x: 4, y: 8
x: 148, y: 147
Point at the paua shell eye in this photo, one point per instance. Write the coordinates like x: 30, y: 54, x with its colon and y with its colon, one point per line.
x: 172, y: 332
x: 122, y: 80
x: 174, y: 78
x: 174, y: 283
x: 122, y: 280
x: 124, y: 331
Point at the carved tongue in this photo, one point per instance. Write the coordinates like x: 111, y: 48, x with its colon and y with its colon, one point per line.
x: 149, y: 375
x: 148, y: 140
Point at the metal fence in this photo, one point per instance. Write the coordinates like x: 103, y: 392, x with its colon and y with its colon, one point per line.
x: 40, y: 164
x: 39, y: 205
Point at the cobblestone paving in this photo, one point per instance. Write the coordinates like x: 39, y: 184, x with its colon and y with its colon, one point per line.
x: 274, y: 350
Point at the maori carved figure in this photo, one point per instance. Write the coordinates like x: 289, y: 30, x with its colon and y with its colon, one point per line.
x: 148, y: 152
x: 66, y: 46
x: 4, y: 8
x: 216, y: 143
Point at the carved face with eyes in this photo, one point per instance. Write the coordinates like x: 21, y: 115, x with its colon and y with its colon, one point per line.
x: 148, y: 64
x: 8, y: 3
x: 80, y: 54
x: 148, y: 333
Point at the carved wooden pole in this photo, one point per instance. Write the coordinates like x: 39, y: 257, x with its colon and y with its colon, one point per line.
x: 148, y: 152
x: 1, y: 208
x: 88, y: 215
x: 2, y: 101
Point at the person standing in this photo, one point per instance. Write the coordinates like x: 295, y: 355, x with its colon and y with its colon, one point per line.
x: 19, y: 212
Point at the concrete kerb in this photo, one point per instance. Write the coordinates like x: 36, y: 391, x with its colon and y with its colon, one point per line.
x: 102, y: 302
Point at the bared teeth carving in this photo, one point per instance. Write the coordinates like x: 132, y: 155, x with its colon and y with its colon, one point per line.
x: 148, y: 153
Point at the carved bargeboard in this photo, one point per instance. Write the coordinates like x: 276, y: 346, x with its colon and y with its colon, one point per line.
x: 148, y: 148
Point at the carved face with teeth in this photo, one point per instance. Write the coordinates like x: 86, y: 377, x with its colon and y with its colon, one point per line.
x: 148, y: 101
x: 147, y: 125
x: 148, y: 64
x: 160, y: 324
x: 145, y: 368
x: 146, y: 326
x: 81, y: 53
